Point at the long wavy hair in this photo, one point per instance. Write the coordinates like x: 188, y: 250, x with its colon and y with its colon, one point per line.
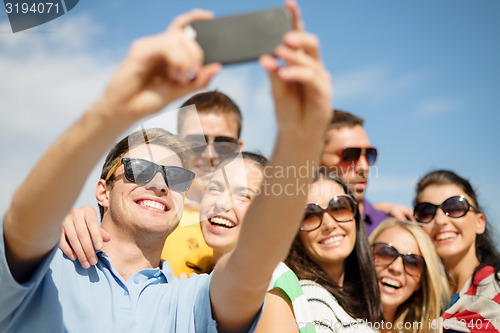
x: 428, y: 301
x: 359, y: 294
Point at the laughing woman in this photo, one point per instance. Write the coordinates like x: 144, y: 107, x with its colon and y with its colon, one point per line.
x: 446, y: 206
x: 412, y: 289
x: 233, y: 186
x: 332, y: 258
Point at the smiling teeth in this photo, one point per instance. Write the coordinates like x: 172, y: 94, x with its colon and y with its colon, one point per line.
x: 222, y: 222
x: 152, y: 204
x: 333, y: 240
x: 391, y: 283
x: 445, y: 235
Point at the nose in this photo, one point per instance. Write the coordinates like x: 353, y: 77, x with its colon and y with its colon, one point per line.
x: 210, y: 154
x: 440, y: 217
x: 157, y: 183
x: 397, y: 266
x: 328, y: 223
x: 362, y: 164
x: 224, y: 201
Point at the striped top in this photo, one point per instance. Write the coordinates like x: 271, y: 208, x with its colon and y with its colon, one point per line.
x: 328, y: 315
x: 478, y: 307
x: 286, y: 280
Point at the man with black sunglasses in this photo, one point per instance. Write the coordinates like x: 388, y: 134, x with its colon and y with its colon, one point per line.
x: 211, y: 124
x: 130, y: 289
x: 349, y: 154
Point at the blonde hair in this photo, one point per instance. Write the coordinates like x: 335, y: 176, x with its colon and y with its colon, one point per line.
x: 426, y: 303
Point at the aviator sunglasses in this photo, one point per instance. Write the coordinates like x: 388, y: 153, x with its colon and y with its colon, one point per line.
x: 353, y: 154
x: 455, y: 207
x: 223, y: 145
x: 141, y: 171
x: 341, y: 208
x: 385, y: 254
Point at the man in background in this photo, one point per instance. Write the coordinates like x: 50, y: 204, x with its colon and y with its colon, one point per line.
x: 211, y: 124
x: 349, y: 154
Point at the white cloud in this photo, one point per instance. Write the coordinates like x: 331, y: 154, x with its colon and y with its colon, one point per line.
x: 374, y: 84
x: 49, y: 77
x: 436, y: 107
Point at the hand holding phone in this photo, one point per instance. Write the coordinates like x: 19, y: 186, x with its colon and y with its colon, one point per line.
x: 240, y: 38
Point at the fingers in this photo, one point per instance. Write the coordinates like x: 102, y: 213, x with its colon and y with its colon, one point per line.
x: 80, y: 228
x: 74, y: 242
x: 183, y: 276
x: 185, y: 63
x: 306, y: 42
x: 292, y: 5
x: 271, y: 65
x: 65, y: 247
x: 194, y: 15
x: 95, y: 231
x: 204, y: 75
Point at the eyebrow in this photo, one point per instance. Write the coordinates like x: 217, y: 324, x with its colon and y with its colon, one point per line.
x: 237, y: 188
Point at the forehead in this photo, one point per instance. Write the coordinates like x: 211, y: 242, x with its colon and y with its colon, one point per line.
x: 322, y: 190
x: 400, y: 238
x: 209, y: 123
x: 436, y: 194
x: 158, y: 154
x: 347, y: 137
x: 239, y: 173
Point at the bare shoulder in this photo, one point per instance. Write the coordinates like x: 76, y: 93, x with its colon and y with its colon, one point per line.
x: 277, y: 315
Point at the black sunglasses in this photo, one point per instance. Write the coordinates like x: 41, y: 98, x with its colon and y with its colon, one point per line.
x: 455, y: 207
x: 223, y: 145
x: 385, y: 254
x: 141, y: 171
x: 353, y: 154
x: 341, y: 208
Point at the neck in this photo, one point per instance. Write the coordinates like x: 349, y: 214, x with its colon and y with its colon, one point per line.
x: 389, y: 315
x: 129, y: 253
x: 219, y: 253
x: 460, y: 268
x: 335, y: 271
x: 361, y: 206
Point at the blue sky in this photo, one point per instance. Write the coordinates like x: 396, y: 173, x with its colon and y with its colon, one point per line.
x: 424, y: 74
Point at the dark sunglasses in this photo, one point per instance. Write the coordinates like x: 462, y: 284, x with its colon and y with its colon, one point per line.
x: 352, y: 154
x: 455, y: 207
x: 385, y: 254
x: 141, y: 171
x: 341, y: 208
x: 223, y: 145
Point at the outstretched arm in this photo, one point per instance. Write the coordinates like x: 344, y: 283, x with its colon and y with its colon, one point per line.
x: 153, y: 74
x: 302, y: 96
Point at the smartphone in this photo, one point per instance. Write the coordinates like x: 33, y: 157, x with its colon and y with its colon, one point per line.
x: 240, y: 38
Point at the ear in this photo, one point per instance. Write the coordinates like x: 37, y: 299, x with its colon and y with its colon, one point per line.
x: 480, y: 223
x: 240, y: 144
x: 102, y: 193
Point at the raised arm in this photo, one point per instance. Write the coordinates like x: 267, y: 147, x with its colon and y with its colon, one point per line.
x: 153, y: 74
x: 302, y: 95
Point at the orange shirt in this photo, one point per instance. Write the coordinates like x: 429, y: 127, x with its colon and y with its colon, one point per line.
x: 186, y: 243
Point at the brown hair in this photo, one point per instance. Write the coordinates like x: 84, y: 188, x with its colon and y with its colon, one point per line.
x: 344, y: 119
x: 359, y: 295
x: 210, y: 102
x: 151, y: 136
x: 486, y: 251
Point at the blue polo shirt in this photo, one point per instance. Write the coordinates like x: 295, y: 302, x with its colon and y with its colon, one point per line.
x: 62, y: 296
